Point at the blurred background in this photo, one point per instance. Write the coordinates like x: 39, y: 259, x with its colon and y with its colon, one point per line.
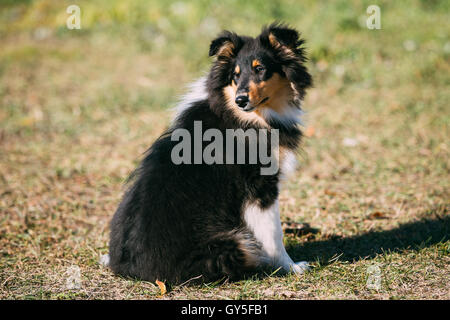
x: 79, y: 107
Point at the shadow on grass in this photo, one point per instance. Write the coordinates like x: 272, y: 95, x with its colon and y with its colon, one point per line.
x: 412, y: 236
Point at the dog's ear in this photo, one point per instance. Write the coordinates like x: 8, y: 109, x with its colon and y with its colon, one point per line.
x: 282, y: 38
x: 225, y: 45
x: 286, y: 43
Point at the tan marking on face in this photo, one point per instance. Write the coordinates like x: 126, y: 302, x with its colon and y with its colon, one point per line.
x: 253, y: 92
x: 248, y: 117
x: 278, y: 89
x: 237, y: 70
x: 255, y: 63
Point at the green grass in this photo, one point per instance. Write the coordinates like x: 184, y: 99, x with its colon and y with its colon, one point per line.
x: 79, y: 107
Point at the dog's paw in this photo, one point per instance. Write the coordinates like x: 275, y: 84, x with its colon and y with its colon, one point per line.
x: 300, y: 267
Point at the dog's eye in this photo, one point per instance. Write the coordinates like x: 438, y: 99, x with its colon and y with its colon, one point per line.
x: 236, y: 75
x: 259, y: 69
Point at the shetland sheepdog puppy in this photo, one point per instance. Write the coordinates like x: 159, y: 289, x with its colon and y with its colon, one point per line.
x: 193, y: 221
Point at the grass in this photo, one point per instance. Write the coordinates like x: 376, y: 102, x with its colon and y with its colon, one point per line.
x: 79, y: 107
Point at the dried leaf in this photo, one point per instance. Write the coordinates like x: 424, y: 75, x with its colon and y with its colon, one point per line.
x: 330, y: 193
x: 309, y: 132
x: 162, y: 287
x: 378, y: 215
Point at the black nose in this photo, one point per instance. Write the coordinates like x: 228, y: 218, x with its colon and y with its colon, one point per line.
x: 241, y: 101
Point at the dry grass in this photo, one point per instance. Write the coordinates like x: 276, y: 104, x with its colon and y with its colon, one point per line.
x: 77, y: 111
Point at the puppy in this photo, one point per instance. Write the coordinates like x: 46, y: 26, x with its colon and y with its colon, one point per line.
x: 186, y: 219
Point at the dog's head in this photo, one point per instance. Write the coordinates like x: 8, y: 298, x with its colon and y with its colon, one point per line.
x: 262, y: 74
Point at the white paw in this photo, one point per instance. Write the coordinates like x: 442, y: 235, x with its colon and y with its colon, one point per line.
x: 300, y: 267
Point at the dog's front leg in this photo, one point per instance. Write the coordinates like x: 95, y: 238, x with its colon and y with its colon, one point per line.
x: 266, y: 227
x: 288, y: 265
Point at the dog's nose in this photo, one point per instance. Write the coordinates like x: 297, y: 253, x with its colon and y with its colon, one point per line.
x: 241, y: 101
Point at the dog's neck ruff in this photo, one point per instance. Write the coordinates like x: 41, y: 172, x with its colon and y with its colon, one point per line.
x: 291, y: 115
x: 197, y: 91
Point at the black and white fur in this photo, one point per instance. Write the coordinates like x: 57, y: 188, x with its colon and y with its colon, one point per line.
x: 202, y: 222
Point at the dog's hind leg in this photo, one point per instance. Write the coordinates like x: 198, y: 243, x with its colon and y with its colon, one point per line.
x: 231, y: 255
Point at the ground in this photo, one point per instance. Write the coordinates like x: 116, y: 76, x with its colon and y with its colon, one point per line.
x: 79, y: 107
